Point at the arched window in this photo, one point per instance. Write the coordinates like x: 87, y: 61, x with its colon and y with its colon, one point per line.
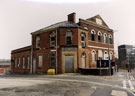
x: 93, y: 35
x: 99, y: 36
x: 86, y: 28
x: 100, y: 54
x: 69, y: 38
x: 52, y: 39
x: 93, y: 55
x: 110, y: 39
x: 37, y: 41
x: 105, y: 38
x: 83, y: 60
x: 105, y: 55
x: 83, y: 39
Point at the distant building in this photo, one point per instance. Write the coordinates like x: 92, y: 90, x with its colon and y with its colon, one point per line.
x: 67, y: 46
x: 126, y: 56
x: 5, y: 66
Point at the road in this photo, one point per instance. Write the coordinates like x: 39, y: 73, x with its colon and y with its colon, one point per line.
x: 120, y: 84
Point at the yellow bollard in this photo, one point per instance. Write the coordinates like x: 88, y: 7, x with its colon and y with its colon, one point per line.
x: 51, y: 72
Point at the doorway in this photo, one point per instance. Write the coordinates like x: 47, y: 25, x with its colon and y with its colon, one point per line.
x: 69, y: 64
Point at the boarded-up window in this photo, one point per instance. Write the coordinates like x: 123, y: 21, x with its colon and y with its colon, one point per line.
x: 19, y: 62
x: 83, y: 39
x: 83, y: 60
x: 37, y: 41
x: 105, y: 38
x: 93, y: 56
x: 15, y: 62
x: 40, y: 61
x: 99, y: 54
x: 28, y: 62
x: 23, y: 62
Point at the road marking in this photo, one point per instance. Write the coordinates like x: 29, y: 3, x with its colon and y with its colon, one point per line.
x: 131, y: 78
x: 124, y: 84
x: 118, y: 93
x: 130, y: 84
x: 131, y: 92
x: 121, y: 75
x: 127, y: 76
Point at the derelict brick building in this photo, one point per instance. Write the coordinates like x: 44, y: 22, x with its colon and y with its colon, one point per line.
x: 67, y: 47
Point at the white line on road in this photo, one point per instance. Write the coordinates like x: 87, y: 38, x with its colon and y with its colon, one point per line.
x: 128, y: 76
x: 130, y: 84
x: 124, y: 84
x: 131, y: 78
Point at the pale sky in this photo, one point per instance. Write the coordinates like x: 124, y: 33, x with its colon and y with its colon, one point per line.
x: 18, y: 18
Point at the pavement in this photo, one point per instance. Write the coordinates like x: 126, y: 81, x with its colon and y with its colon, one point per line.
x: 120, y: 84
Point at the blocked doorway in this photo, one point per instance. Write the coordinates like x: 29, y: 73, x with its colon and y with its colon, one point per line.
x: 69, y: 64
x: 69, y: 61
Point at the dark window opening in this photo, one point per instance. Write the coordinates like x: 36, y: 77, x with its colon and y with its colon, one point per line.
x: 69, y: 41
x: 99, y: 38
x: 69, y: 37
x: 52, y: 61
x: 110, y: 40
x: 92, y: 37
x: 83, y: 38
x: 52, y: 39
x: 37, y: 41
x: 52, y: 43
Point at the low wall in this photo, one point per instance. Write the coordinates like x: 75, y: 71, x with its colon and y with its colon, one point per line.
x: 102, y: 72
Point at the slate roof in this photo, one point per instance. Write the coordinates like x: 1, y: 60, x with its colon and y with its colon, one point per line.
x: 61, y: 24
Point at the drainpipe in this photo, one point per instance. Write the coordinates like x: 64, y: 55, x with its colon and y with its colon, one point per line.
x: 31, y: 71
x: 56, y: 53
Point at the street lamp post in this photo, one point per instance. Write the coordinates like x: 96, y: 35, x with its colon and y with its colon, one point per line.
x: 109, y: 56
x: 100, y: 65
x: 109, y: 59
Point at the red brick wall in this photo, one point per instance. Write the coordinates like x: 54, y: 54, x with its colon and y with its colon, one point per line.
x: 20, y: 55
x: 62, y: 36
x: 45, y: 49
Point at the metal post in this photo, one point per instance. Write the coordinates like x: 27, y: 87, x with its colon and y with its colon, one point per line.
x: 100, y: 66
x: 109, y: 56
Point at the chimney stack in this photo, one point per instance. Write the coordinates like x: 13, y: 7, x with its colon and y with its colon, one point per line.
x: 72, y: 17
